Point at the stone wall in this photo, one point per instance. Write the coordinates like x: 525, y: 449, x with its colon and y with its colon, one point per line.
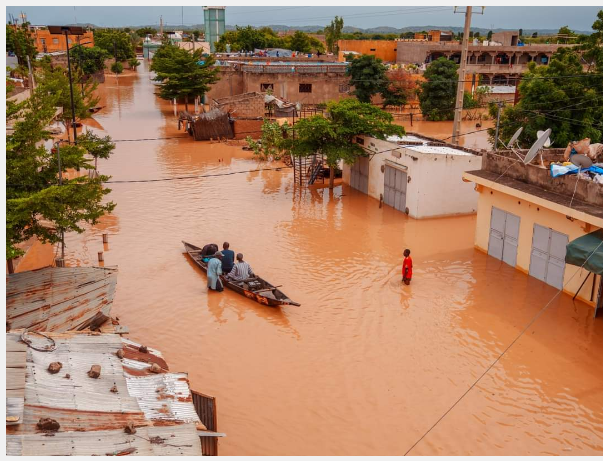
x: 244, y: 105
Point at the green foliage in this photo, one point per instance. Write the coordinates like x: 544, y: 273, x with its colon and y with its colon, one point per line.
x: 566, y: 34
x: 271, y: 145
x: 592, y: 47
x: 438, y: 93
x: 571, y: 106
x: 19, y: 40
x: 133, y: 63
x: 334, y: 133
x: 89, y: 60
x: 182, y: 73
x: 367, y: 75
x: 489, y: 36
x: 399, y: 88
x: 36, y: 206
x: 117, y: 68
x: 54, y: 81
x: 333, y: 34
x: 248, y: 39
x: 96, y: 146
x: 144, y: 31
x: 117, y: 43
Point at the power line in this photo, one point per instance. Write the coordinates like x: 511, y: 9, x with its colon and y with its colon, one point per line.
x: 500, y: 356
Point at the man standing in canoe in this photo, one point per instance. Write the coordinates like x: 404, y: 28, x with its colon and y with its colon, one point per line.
x: 214, y: 270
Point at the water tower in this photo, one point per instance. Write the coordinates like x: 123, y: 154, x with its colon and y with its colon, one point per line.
x: 215, y: 24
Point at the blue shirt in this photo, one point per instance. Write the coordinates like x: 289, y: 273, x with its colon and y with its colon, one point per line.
x: 227, y: 260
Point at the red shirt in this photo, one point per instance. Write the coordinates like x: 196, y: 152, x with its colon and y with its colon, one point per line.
x: 407, y: 264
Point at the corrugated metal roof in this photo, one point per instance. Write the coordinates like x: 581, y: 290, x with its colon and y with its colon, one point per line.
x: 16, y: 353
x: 93, y: 412
x: 179, y: 440
x: 59, y: 299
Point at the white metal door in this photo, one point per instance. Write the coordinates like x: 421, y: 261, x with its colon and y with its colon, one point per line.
x: 359, y: 175
x: 504, y: 236
x: 547, y: 261
x: 394, y: 191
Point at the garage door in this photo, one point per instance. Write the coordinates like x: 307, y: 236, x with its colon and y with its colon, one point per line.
x: 547, y: 260
x: 394, y: 193
x: 504, y: 234
x: 359, y: 175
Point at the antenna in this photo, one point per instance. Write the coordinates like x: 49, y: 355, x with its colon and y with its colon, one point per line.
x: 548, y: 141
x: 512, y: 141
x: 536, y: 147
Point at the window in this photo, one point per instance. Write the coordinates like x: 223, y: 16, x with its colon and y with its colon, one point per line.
x: 55, y: 41
x: 373, y: 49
x: 360, y: 141
x: 344, y: 88
x: 266, y: 86
x: 305, y: 88
x: 43, y: 40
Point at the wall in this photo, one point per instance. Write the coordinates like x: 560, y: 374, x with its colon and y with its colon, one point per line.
x: 242, y: 106
x: 435, y: 186
x: 383, y: 49
x: 531, y: 214
x: 45, y: 41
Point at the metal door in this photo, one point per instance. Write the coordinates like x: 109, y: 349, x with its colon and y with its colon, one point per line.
x: 359, y: 175
x: 547, y: 260
x: 504, y: 235
x: 394, y: 192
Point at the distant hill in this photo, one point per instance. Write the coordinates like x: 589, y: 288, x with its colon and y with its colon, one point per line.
x: 348, y: 29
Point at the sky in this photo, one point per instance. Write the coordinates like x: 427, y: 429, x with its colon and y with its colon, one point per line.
x: 510, y: 17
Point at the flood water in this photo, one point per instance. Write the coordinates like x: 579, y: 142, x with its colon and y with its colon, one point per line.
x: 366, y: 365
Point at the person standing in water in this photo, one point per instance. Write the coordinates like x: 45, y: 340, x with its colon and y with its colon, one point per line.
x: 407, y: 267
x: 214, y: 271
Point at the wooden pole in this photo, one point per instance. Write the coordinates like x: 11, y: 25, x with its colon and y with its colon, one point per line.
x: 458, y: 108
x: 100, y: 256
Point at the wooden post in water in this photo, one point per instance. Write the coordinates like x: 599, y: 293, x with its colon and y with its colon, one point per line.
x: 59, y: 262
x: 100, y: 257
x: 105, y: 238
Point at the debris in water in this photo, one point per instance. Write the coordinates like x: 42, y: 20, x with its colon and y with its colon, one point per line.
x: 55, y: 367
x: 130, y: 429
x: 143, y: 349
x: 48, y: 424
x: 95, y: 371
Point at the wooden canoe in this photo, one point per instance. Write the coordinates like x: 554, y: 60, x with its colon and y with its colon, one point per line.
x: 263, y: 293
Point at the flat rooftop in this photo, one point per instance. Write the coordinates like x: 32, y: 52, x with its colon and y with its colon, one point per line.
x: 427, y: 145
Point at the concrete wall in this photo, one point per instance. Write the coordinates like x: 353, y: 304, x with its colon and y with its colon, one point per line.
x: 50, y: 43
x: 435, y: 186
x: 325, y: 86
x: 246, y: 105
x: 382, y: 49
x: 531, y: 214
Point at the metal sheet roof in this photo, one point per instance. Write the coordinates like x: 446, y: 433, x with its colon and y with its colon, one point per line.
x: 16, y: 353
x: 59, y: 299
x: 92, y: 412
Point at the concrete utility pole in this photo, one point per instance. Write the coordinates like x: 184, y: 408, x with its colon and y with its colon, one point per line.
x: 161, y: 25
x: 458, y: 107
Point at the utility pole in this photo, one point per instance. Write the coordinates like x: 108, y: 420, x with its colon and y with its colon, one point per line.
x: 30, y: 77
x: 70, y: 86
x: 58, y: 146
x: 458, y: 107
x: 161, y: 26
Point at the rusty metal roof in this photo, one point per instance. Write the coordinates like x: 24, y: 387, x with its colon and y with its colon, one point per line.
x: 59, y: 299
x: 93, y: 413
x: 15, y: 379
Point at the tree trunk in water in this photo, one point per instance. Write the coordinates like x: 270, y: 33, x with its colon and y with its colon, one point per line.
x: 331, y: 176
x: 95, y: 164
x: 186, y: 102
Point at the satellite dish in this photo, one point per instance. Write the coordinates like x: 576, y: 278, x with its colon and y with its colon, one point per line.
x: 581, y: 161
x: 515, y: 137
x: 548, y: 141
x: 539, y: 144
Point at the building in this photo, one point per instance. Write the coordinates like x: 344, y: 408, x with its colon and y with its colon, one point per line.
x: 310, y: 82
x: 215, y: 24
x: 526, y: 218
x: 383, y: 49
x: 51, y: 43
x: 416, y: 175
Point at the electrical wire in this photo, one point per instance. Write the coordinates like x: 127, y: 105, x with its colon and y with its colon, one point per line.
x: 500, y: 356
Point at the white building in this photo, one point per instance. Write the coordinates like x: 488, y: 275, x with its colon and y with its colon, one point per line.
x: 420, y: 176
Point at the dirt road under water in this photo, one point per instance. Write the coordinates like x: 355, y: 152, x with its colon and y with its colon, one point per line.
x: 365, y: 366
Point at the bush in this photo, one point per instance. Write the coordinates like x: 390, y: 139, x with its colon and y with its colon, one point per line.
x: 117, y: 68
x: 133, y: 63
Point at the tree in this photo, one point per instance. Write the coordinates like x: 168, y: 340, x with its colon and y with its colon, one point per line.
x: 400, y: 88
x: 89, y: 60
x: 182, y: 73
x: 333, y: 134
x: 560, y: 96
x: 520, y: 33
x: 133, y: 63
x: 271, y: 145
x: 54, y: 81
x: 438, y: 93
x: 300, y: 42
x: 489, y: 36
x: 535, y: 35
x: 36, y: 205
x: 19, y: 40
x: 117, y: 43
x: 592, y: 46
x: 96, y: 146
x: 367, y: 75
x: 144, y: 31
x: 117, y: 68
x: 333, y: 34
x: 565, y: 34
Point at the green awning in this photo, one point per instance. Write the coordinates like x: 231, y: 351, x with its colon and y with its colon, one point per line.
x: 579, y: 250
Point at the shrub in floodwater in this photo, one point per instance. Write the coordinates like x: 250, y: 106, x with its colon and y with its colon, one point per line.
x: 270, y: 146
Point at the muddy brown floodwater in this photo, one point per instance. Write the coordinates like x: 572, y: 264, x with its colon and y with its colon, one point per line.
x: 365, y: 366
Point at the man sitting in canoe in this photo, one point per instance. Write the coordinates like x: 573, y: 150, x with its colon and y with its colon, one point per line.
x: 241, y: 270
x: 208, y: 251
x: 214, y: 271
